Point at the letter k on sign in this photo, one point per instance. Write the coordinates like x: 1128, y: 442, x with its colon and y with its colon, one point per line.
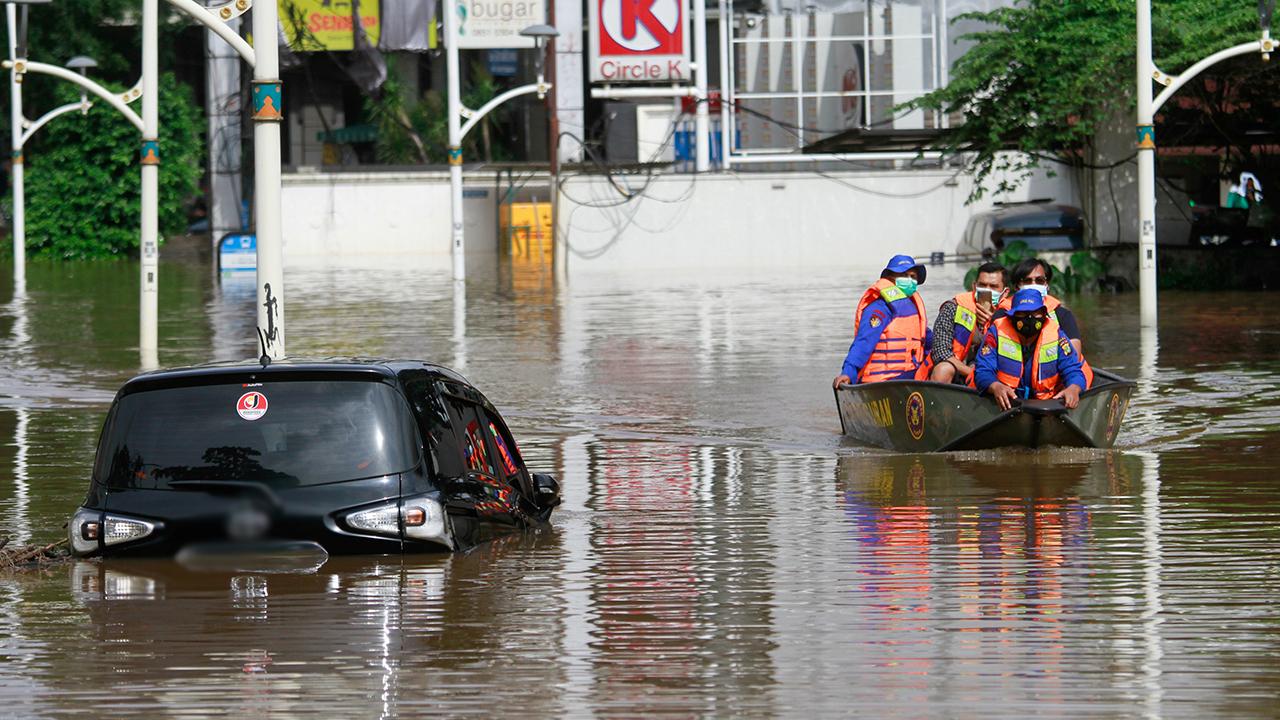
x: 641, y: 27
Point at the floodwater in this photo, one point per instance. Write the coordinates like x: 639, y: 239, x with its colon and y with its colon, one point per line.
x: 721, y: 550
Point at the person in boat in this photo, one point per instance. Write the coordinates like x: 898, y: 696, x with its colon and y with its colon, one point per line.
x: 1026, y: 354
x: 1036, y: 274
x: 890, y: 328
x: 962, y: 323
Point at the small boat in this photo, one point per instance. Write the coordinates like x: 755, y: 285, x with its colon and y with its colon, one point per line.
x: 921, y: 416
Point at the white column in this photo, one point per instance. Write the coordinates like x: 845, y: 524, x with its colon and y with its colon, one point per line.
x: 726, y: 83
x: 1146, y: 172
x: 454, y: 107
x: 267, y: 114
x: 701, y: 116
x: 569, y: 97
x: 15, y: 132
x: 148, y: 311
x: 225, y: 113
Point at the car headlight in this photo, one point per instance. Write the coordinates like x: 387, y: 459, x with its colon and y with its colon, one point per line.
x: 119, y: 529
x: 418, y: 518
x: 424, y: 520
x: 84, y: 531
x: 90, y: 530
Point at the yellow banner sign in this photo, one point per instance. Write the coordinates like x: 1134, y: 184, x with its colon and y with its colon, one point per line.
x: 316, y: 25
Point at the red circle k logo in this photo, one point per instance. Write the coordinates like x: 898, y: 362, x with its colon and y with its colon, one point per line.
x: 641, y: 27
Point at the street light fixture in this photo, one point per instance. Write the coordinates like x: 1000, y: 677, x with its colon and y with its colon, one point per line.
x: 458, y: 129
x: 82, y: 63
x: 1148, y: 104
x: 17, y: 52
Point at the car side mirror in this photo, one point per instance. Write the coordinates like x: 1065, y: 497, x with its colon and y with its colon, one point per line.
x: 546, y: 491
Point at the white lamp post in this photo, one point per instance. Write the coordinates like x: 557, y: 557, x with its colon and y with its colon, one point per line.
x: 1147, y: 109
x: 458, y: 130
x: 18, y: 49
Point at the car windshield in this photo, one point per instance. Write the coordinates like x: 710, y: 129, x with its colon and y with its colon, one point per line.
x: 280, y: 433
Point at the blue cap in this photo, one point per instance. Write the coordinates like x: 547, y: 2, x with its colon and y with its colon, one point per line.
x: 904, y: 263
x: 1028, y: 300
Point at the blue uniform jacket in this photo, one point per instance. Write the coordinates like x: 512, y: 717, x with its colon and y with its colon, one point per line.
x: 1069, y: 368
x: 868, y: 336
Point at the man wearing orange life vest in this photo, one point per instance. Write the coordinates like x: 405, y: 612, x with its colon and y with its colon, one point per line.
x: 1027, y: 355
x: 962, y: 323
x: 891, y: 330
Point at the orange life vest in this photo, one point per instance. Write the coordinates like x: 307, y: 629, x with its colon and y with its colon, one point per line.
x: 1044, y: 357
x: 966, y: 326
x: 901, y: 346
x: 1052, y: 304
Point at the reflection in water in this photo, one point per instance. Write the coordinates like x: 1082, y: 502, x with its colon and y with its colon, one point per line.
x: 720, y: 551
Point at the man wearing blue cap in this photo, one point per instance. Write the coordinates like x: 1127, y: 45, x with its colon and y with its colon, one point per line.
x: 1027, y: 355
x: 891, y: 332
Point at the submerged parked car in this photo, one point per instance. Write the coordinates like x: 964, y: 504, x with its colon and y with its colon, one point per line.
x: 1042, y: 225
x: 350, y: 456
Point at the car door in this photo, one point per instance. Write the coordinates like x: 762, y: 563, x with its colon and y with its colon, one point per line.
x: 496, y: 502
x: 510, y: 465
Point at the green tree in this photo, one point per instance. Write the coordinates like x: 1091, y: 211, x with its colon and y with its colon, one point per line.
x: 83, y: 188
x: 1046, y: 74
x: 419, y: 132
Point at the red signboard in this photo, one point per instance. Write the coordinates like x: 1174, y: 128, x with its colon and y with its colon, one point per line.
x: 639, y: 40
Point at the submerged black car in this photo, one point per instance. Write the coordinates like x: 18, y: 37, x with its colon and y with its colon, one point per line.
x: 353, y: 456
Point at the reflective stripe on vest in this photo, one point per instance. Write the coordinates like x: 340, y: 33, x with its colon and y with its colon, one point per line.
x: 966, y: 321
x: 901, y: 346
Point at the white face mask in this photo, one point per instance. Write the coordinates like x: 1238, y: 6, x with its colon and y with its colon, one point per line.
x: 1042, y: 289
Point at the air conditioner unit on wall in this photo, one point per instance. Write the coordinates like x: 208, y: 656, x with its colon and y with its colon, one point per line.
x: 639, y: 133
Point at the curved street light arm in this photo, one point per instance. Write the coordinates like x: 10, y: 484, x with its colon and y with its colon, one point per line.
x: 63, y: 74
x: 212, y: 20
x: 475, y: 116
x: 1190, y: 73
x: 44, y: 119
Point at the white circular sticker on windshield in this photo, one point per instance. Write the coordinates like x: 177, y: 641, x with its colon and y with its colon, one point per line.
x: 251, y: 405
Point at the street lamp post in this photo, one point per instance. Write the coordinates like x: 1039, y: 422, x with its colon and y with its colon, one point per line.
x: 458, y: 129
x: 18, y: 49
x: 149, y: 159
x: 1148, y: 106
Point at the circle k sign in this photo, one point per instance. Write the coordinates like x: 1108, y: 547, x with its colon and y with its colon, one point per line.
x: 639, y: 40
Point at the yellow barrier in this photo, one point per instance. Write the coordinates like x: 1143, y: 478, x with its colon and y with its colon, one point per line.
x: 528, y: 228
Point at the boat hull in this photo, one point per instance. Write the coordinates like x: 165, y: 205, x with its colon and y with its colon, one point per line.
x: 917, y: 416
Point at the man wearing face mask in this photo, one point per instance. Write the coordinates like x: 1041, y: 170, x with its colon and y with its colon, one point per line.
x: 962, y: 322
x: 891, y: 331
x: 1035, y: 273
x: 1027, y: 355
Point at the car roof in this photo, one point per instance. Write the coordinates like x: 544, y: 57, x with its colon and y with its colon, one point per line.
x: 1033, y: 214
x: 290, y: 368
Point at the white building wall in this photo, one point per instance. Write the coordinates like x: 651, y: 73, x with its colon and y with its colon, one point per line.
x: 677, y: 221
x: 762, y: 220
x: 335, y: 218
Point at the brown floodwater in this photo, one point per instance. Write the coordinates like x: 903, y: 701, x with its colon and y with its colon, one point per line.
x: 722, y: 549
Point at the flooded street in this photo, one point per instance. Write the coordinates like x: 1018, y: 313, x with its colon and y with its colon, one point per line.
x: 722, y: 549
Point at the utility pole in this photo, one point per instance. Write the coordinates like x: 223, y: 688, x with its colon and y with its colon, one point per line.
x: 268, y: 109
x: 454, y: 108
x: 149, y: 156
x: 1146, y: 171
x: 16, y: 167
